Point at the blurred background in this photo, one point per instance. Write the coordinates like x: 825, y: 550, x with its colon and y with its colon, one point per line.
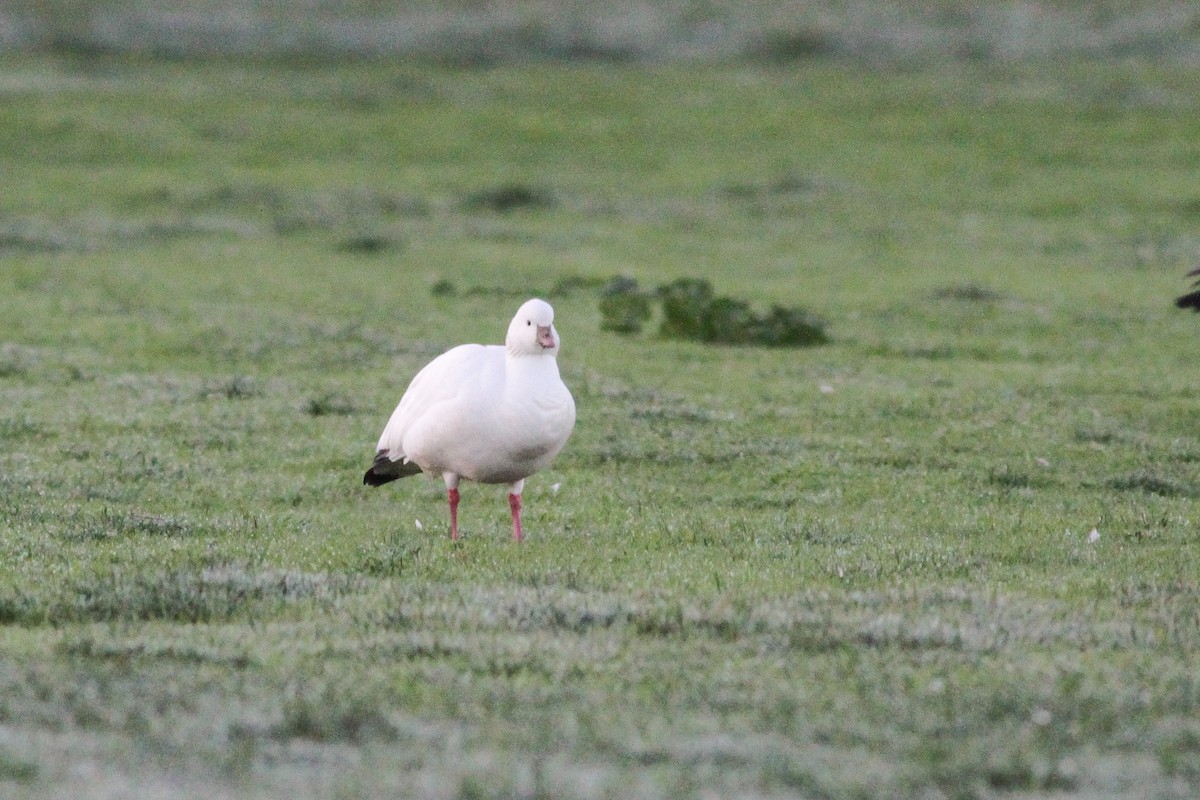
x: 478, y: 32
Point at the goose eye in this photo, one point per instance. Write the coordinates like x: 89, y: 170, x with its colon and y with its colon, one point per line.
x: 528, y: 322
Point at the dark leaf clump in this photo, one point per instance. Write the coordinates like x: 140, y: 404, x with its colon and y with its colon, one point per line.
x: 368, y: 244
x: 510, y: 197
x: 692, y: 311
x: 623, y: 307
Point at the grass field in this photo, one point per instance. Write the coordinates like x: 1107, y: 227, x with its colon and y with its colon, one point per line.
x: 951, y: 554
x: 479, y: 32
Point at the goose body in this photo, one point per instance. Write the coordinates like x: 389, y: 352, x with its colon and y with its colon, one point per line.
x: 486, y: 413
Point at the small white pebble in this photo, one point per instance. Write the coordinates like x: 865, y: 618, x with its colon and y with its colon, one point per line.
x: 825, y: 388
x: 1042, y: 462
x: 554, y: 487
x: 417, y: 522
x: 1042, y: 717
x: 1094, y: 536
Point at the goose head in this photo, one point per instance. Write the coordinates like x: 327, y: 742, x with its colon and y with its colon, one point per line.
x: 531, y: 331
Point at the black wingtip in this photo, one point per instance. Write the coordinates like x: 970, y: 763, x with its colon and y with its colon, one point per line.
x: 1190, y: 300
x: 373, y: 478
x: 384, y: 470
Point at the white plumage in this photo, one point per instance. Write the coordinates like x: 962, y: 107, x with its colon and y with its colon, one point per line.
x: 486, y: 413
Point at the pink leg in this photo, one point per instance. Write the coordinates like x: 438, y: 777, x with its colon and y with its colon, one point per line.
x: 514, y: 502
x: 453, y: 495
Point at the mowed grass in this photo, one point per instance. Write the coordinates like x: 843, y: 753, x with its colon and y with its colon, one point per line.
x: 951, y: 554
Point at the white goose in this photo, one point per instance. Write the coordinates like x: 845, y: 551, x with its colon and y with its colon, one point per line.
x: 486, y: 413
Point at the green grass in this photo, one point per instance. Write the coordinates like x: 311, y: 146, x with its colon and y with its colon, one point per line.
x: 864, y: 569
x: 467, y: 32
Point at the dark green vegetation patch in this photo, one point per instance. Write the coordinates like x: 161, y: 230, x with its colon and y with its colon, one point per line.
x: 691, y: 311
